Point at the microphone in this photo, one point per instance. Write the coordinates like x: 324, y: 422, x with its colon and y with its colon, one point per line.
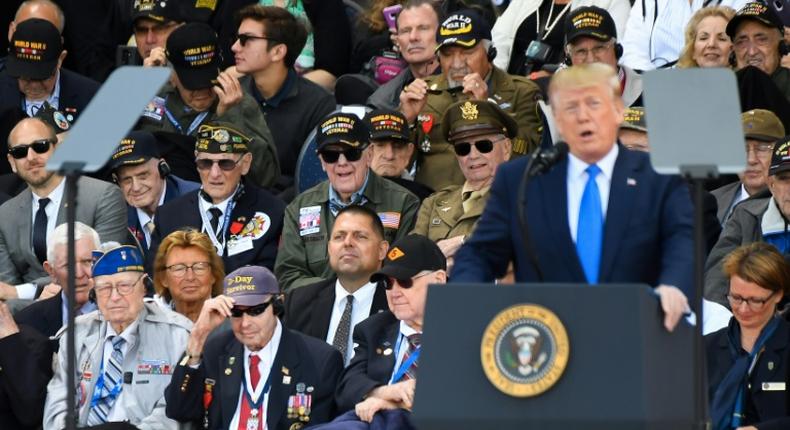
x: 547, y: 158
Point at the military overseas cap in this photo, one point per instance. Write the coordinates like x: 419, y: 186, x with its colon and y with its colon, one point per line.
x: 634, y: 119
x: 192, y: 50
x: 388, y: 124
x: 250, y: 285
x: 470, y: 118
x: 762, y: 125
x: 34, y: 50
x: 591, y: 21
x: 409, y: 256
x: 780, y: 160
x: 157, y: 10
x: 125, y: 258
x: 755, y: 11
x: 464, y: 28
x: 221, y: 138
x: 136, y: 148
x: 53, y: 117
x: 342, y: 128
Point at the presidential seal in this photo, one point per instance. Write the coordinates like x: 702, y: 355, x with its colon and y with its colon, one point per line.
x: 524, y: 350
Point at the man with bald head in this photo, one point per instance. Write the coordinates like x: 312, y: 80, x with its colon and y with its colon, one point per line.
x: 27, y: 220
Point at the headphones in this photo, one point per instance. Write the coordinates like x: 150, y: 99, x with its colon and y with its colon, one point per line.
x: 783, y: 48
x: 618, y: 52
x: 162, y: 167
x: 491, y: 54
x: 278, y: 307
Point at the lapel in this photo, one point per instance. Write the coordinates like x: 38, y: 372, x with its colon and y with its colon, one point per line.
x: 322, y: 310
x: 171, y: 191
x: 621, y: 202
x: 191, y: 217
x: 447, y: 211
x: 229, y: 393
x: 286, y: 361
x: 379, y: 300
x: 554, y: 195
x: 243, y: 210
x: 773, y: 358
x: 90, y: 357
x: 25, y: 226
x: 384, y: 365
x: 63, y: 205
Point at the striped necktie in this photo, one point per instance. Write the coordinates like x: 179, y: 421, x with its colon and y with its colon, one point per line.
x: 113, y: 377
x: 414, y: 343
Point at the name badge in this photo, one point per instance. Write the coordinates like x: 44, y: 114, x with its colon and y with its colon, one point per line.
x: 773, y: 386
x: 239, y: 245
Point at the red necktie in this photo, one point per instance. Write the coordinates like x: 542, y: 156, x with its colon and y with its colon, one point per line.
x: 255, y: 377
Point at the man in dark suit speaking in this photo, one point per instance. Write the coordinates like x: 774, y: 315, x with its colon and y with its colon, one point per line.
x: 601, y: 215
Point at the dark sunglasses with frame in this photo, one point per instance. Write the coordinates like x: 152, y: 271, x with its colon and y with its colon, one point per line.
x: 484, y: 146
x: 40, y: 146
x: 225, y: 164
x: 331, y: 156
x: 244, y: 38
x: 252, y: 311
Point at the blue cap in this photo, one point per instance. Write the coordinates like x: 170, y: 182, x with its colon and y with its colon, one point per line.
x: 251, y: 285
x: 125, y: 258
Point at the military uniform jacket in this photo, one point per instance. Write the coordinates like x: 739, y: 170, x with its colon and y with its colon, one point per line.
x: 257, y: 215
x: 301, y: 363
x: 303, y: 259
x: 516, y: 95
x: 167, y: 112
x: 442, y: 214
x: 161, y: 338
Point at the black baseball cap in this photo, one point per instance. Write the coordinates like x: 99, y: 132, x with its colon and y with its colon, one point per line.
x: 157, y: 10
x: 136, y: 148
x: 388, y: 124
x: 780, y: 160
x: 342, y: 128
x: 34, y: 50
x: 463, y: 28
x: 591, y: 21
x: 192, y: 50
x: 409, y: 256
x: 755, y: 11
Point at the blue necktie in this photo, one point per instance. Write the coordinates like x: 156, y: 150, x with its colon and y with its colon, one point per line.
x: 589, y: 235
x: 113, y: 377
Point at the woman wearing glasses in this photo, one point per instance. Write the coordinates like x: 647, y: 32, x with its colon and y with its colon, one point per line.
x: 748, y: 361
x: 187, y: 272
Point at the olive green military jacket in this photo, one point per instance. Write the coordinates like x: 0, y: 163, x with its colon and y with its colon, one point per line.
x: 437, y: 166
x: 302, y: 258
x: 442, y: 216
x: 246, y: 115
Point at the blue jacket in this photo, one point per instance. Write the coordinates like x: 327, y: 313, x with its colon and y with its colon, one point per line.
x: 648, y: 232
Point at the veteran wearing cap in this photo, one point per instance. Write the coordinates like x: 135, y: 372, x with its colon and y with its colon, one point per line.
x: 753, y: 220
x: 383, y: 372
x: 126, y: 351
x: 392, y: 150
x: 343, y: 148
x: 465, y: 55
x: 761, y: 129
x: 201, y: 93
x: 756, y: 33
x: 480, y: 134
x: 152, y: 23
x: 257, y: 375
x: 633, y: 130
x: 243, y: 221
x: 146, y: 182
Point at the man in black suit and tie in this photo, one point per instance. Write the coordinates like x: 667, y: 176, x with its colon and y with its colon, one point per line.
x: 331, y: 309
x: 603, y: 215
x: 49, y: 315
x: 146, y: 182
x: 257, y: 375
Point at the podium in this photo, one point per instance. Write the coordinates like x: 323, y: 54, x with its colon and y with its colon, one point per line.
x: 623, y: 369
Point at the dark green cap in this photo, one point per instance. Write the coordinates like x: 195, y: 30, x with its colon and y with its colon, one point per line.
x: 634, y: 119
x: 471, y: 118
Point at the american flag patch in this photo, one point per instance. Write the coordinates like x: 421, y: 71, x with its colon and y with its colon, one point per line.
x: 390, y: 219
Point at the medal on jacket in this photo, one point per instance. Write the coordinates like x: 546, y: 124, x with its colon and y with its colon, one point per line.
x: 426, y: 123
x: 207, y: 397
x: 253, y: 421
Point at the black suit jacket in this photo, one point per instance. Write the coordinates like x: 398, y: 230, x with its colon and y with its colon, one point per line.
x: 308, y: 309
x: 46, y: 316
x: 373, y: 362
x: 184, y: 212
x: 26, y: 363
x: 773, y: 366
x: 300, y: 360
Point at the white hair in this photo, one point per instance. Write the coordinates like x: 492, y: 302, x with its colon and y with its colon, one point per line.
x: 59, y: 237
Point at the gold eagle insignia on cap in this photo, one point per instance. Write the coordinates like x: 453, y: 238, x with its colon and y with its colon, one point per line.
x: 469, y: 111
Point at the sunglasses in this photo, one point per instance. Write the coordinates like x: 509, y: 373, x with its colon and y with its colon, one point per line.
x: 253, y: 311
x: 483, y: 146
x: 39, y: 146
x: 225, y: 164
x: 389, y: 282
x: 451, y: 91
x: 331, y: 157
x: 244, y: 38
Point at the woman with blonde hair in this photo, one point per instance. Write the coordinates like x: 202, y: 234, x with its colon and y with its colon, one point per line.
x: 707, y: 43
x: 187, y: 272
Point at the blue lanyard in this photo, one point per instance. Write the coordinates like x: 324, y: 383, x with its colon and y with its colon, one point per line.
x: 404, y: 366
x: 266, y: 387
x: 100, y: 387
x: 195, y: 123
x: 737, y: 416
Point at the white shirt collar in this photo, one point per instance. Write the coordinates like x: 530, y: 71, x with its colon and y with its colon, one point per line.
x: 363, y: 294
x: 407, y: 330
x: 267, y: 355
x: 577, y: 167
x: 205, y: 206
x: 55, y: 196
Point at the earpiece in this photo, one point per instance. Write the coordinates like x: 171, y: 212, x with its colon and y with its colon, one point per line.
x: 618, y: 50
x: 278, y: 307
x: 164, y: 168
x: 92, y: 296
x: 491, y: 53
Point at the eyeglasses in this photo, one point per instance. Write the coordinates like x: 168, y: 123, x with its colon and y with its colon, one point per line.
x: 244, y: 38
x: 180, y: 270
x: 331, y: 157
x: 123, y: 288
x: 253, y: 311
x: 484, y: 146
x: 752, y: 303
x: 40, y: 146
x: 389, y: 282
x: 759, y: 147
x: 597, y: 51
x: 225, y: 164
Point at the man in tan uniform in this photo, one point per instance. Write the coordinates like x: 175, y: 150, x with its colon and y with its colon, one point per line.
x: 465, y: 55
x: 480, y: 134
